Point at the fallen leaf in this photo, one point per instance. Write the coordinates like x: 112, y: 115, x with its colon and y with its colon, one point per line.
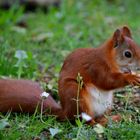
x: 42, y: 37
x: 4, y: 124
x: 54, y: 131
x: 86, y: 117
x: 19, y: 30
x: 99, y: 129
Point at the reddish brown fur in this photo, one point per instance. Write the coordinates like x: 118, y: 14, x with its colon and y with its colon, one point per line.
x: 23, y: 96
x: 98, y: 67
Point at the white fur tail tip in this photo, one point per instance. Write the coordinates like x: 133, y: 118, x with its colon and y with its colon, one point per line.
x: 44, y: 95
x: 85, y: 116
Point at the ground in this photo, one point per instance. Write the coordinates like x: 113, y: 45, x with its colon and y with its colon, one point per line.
x: 45, y: 39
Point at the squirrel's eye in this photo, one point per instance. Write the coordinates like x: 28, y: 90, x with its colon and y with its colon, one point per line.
x: 128, y: 54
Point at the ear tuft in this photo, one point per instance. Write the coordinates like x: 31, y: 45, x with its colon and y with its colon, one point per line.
x: 117, y: 38
x: 126, y: 31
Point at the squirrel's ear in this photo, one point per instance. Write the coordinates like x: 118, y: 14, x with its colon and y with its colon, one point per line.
x: 117, y: 38
x: 126, y: 31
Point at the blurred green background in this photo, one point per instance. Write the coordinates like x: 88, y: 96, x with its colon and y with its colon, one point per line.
x: 49, y: 36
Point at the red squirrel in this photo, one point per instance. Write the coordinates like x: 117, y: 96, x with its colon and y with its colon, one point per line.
x: 103, y: 70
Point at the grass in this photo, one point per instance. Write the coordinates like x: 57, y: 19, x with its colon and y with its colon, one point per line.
x: 48, y: 38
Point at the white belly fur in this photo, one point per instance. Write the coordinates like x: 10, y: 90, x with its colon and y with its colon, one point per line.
x: 101, y: 100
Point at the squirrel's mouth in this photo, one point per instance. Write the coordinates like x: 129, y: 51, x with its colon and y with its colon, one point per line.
x: 135, y: 70
x: 126, y: 70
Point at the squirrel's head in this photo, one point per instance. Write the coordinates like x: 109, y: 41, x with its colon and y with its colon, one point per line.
x: 127, y: 53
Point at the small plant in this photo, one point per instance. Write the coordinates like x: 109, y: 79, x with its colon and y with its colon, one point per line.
x: 44, y: 96
x: 21, y: 57
x: 78, y: 122
x: 80, y: 85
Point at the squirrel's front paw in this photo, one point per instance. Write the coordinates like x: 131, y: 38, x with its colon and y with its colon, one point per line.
x: 133, y: 79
